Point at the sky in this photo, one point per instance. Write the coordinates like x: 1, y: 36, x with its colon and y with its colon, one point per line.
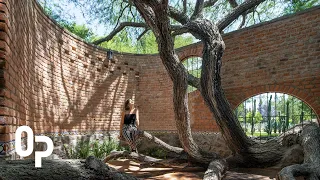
x: 101, y: 30
x: 79, y: 18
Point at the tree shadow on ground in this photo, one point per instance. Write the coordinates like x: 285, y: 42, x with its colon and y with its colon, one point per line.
x: 57, y: 170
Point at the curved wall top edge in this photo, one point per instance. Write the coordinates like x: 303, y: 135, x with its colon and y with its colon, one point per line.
x: 40, y: 8
x: 255, y: 26
x: 178, y: 50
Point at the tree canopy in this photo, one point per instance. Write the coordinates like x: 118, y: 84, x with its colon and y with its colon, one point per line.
x: 135, y: 37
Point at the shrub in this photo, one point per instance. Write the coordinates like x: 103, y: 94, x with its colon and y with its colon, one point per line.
x: 84, y: 149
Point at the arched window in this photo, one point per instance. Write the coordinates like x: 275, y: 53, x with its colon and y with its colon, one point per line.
x: 193, y: 66
x: 270, y: 114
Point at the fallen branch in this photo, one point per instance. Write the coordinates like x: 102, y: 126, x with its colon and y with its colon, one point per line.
x: 161, y: 143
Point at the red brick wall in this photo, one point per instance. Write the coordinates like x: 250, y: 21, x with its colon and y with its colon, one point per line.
x: 55, y: 82
x: 278, y: 56
x: 155, y: 89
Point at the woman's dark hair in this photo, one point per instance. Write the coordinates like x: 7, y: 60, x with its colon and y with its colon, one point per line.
x: 126, y: 105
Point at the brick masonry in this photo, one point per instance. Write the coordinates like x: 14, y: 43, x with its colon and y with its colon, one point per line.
x: 57, y: 84
x: 282, y: 55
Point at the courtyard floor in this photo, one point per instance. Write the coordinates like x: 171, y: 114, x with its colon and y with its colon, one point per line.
x: 182, y: 172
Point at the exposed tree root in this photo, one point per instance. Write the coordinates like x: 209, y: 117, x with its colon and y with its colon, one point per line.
x: 216, y: 170
x: 310, y: 169
x: 158, y: 141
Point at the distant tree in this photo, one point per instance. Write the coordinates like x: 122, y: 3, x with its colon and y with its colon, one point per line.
x: 299, y: 5
x: 81, y: 31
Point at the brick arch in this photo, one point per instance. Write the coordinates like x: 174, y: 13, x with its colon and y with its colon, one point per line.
x: 305, y: 95
x: 194, y: 50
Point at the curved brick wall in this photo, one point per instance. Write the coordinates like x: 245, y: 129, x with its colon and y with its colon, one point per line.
x: 282, y: 55
x: 56, y: 83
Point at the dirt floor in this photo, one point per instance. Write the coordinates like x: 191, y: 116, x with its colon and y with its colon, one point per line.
x: 183, y: 172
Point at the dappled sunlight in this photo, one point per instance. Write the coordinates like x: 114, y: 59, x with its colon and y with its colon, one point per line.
x: 133, y: 167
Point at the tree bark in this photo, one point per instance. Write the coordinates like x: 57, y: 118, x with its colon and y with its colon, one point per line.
x: 156, y: 16
x: 159, y: 142
x: 253, y: 153
x: 210, y: 83
x: 310, y: 141
x: 216, y: 170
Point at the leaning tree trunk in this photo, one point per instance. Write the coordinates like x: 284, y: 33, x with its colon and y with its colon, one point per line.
x: 212, y: 92
x: 156, y: 16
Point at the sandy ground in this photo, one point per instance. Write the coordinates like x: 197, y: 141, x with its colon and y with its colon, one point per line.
x: 182, y: 172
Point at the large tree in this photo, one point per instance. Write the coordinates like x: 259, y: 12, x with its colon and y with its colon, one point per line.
x: 167, y: 21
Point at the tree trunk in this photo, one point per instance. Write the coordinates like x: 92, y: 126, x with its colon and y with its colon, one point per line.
x: 253, y: 153
x: 210, y: 84
x: 156, y: 16
x: 310, y: 141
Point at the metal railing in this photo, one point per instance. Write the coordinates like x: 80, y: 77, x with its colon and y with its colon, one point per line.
x: 273, y: 116
x: 193, y: 66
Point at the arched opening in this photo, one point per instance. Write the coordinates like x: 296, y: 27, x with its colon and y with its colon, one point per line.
x: 269, y: 114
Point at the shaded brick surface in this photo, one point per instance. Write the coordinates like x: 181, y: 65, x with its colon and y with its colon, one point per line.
x: 54, y: 82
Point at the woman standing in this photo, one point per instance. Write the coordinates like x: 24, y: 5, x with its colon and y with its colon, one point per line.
x: 129, y: 124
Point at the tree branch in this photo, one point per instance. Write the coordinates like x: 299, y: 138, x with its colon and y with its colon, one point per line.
x: 237, y: 12
x: 179, y: 32
x: 233, y: 3
x: 210, y: 3
x: 121, y: 13
x: 178, y: 15
x: 184, y: 6
x: 118, y: 29
x: 243, y: 21
x: 143, y: 33
x: 198, y: 10
x: 193, y: 81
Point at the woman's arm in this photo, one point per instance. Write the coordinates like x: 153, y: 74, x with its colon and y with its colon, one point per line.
x: 137, y: 117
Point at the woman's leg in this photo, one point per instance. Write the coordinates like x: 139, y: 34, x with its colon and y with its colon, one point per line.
x: 135, y: 137
x: 129, y: 137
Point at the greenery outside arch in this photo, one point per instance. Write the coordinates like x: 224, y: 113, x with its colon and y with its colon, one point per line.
x: 270, y: 114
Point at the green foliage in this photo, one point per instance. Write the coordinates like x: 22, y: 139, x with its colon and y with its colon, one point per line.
x: 269, y: 128
x: 111, y: 13
x: 80, y: 30
x: 84, y: 149
x: 108, y: 146
x: 80, y: 151
x: 287, y: 115
x: 157, y: 153
x: 299, y: 5
x: 257, y: 118
x: 121, y: 42
x: 263, y: 134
